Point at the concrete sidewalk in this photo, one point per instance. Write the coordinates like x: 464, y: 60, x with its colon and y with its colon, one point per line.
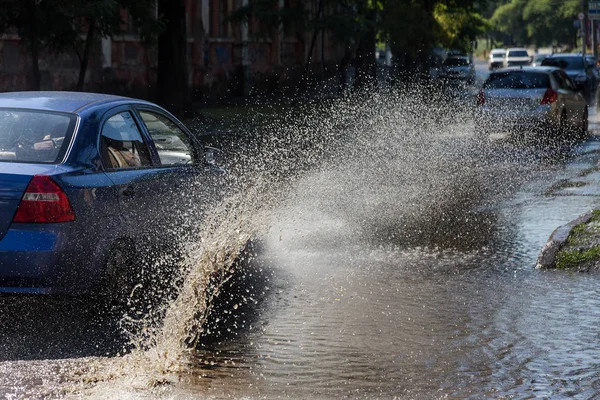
x: 576, y: 245
x: 594, y: 118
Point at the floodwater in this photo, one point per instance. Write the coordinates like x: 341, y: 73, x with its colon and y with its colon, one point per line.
x: 393, y: 257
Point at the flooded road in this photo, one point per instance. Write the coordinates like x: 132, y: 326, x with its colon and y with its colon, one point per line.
x: 401, y: 266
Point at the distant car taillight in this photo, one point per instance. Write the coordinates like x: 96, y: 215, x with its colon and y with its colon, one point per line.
x: 480, y: 98
x: 44, y: 201
x: 550, y: 97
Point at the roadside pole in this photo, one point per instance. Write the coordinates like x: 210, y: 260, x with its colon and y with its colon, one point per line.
x: 594, y: 15
x: 583, y: 26
x: 594, y: 44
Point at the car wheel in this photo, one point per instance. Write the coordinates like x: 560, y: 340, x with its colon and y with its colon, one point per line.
x: 563, y: 126
x: 119, y: 278
x: 583, y: 129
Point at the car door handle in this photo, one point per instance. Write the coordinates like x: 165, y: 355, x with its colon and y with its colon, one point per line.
x: 128, y: 191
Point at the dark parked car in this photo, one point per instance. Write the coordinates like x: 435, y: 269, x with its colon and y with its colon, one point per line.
x: 580, y: 69
x: 537, y: 60
x: 458, y: 68
x: 83, y: 177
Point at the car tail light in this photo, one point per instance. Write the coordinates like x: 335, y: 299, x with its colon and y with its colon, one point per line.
x: 44, y: 201
x: 549, y: 97
x: 480, y: 98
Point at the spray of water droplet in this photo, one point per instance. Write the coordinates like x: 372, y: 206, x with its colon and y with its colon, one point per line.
x: 397, y: 167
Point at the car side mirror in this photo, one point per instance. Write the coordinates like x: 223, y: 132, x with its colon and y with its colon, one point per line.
x: 213, y: 159
x: 210, y: 156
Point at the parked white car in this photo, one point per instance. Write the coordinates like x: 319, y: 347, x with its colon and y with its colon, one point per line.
x: 496, y: 58
x: 516, y: 56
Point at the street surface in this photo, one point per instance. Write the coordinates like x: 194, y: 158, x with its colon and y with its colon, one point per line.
x: 402, y: 268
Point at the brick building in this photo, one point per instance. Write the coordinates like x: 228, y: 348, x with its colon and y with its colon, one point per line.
x: 224, y: 59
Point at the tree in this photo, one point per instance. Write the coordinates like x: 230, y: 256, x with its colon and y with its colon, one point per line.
x: 172, y: 77
x: 508, y: 18
x: 414, y: 27
x: 460, y: 27
x: 548, y: 21
x: 540, y: 22
x: 34, y: 21
x: 92, y: 19
x: 72, y: 25
x: 351, y: 23
x: 367, y: 15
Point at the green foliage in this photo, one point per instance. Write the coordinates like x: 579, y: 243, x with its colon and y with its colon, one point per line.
x: 574, y: 259
x: 345, y: 19
x: 581, y: 250
x: 460, y: 27
x: 414, y: 27
x: 539, y: 22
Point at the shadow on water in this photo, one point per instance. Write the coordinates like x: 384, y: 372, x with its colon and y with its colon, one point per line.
x: 236, y: 310
x: 41, y: 327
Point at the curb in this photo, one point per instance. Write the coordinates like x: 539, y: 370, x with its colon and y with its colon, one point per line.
x: 557, y: 239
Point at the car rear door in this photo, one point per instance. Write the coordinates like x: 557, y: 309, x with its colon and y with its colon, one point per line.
x: 572, y: 99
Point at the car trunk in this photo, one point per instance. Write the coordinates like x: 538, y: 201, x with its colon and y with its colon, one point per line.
x: 514, y: 100
x: 14, y: 178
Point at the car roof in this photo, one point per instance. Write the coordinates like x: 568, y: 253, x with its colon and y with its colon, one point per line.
x: 544, y: 69
x: 498, y: 50
x: 562, y: 55
x: 70, y: 102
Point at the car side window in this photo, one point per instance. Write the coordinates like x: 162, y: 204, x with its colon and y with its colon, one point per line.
x: 563, y: 80
x: 173, y: 145
x: 569, y: 84
x: 122, y: 145
x: 559, y: 79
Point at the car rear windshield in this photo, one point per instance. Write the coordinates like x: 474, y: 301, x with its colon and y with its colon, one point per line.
x: 564, y: 62
x: 518, y: 53
x: 456, y: 62
x: 517, y: 80
x: 34, y: 136
x: 497, y: 55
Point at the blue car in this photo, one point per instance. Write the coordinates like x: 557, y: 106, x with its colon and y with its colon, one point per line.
x: 83, y: 177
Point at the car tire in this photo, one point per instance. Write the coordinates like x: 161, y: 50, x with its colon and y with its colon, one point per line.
x: 563, y: 126
x: 583, y: 129
x: 119, y: 280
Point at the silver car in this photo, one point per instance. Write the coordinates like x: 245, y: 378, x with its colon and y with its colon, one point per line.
x: 458, y: 68
x: 531, y: 100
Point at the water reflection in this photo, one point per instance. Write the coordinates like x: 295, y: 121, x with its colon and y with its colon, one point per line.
x: 36, y: 328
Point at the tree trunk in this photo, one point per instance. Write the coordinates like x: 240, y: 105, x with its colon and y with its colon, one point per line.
x: 34, y: 46
x: 366, y: 68
x: 343, y: 66
x: 423, y: 57
x: 313, y: 43
x: 35, y: 65
x: 89, y: 42
x: 172, y: 75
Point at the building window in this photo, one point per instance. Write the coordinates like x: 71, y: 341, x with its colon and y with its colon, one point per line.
x: 218, y: 26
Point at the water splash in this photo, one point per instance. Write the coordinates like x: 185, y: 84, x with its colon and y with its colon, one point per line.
x: 396, y: 167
